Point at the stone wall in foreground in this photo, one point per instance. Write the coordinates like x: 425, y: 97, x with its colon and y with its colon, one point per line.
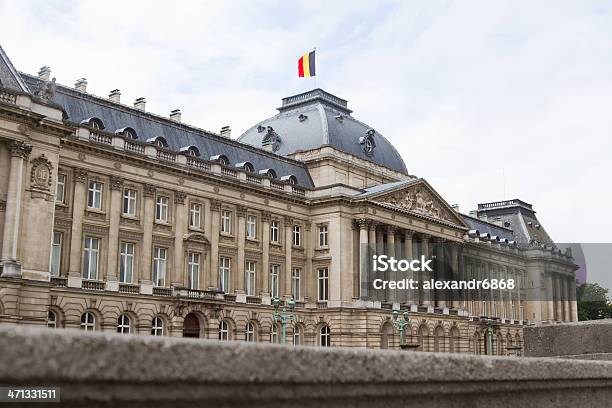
x: 588, y: 340
x: 112, y: 370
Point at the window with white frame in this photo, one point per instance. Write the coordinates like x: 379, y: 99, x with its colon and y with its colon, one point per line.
x: 193, y: 270
x: 325, y: 336
x: 224, y: 274
x: 94, y: 195
x: 297, y: 335
x: 224, y: 330
x: 274, y: 284
x: 129, y: 202
x: 56, y: 253
x: 251, y: 227
x: 274, y: 334
x: 296, y: 275
x: 226, y: 221
x: 195, y: 215
x: 485, y: 309
x: 323, y: 276
x: 126, y: 262
x: 249, y: 334
x: 274, y: 231
x: 88, y: 321
x: 91, y: 254
x: 323, y: 236
x: 160, y: 259
x: 51, y: 320
x: 161, y: 209
x: 249, y: 277
x: 297, y: 235
x: 157, y: 326
x: 60, y: 189
x: 512, y: 311
x: 123, y: 324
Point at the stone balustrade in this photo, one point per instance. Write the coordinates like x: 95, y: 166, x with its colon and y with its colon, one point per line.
x: 118, y: 370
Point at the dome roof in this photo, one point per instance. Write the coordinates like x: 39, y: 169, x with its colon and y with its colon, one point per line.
x: 317, y: 118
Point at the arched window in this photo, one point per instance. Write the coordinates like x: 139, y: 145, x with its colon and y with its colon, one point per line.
x: 157, y: 326
x: 249, y: 334
x: 246, y: 166
x: 191, y: 326
x: 123, y: 324
x: 291, y: 179
x: 51, y: 320
x: 386, y: 335
x: 476, y: 343
x: 439, y: 339
x: 499, y: 346
x: 94, y: 123
x: 325, y: 336
x: 268, y: 173
x: 423, y: 338
x: 297, y: 335
x: 274, y: 338
x: 88, y: 321
x: 190, y: 151
x: 224, y: 331
x: 221, y: 159
x: 129, y: 134
x: 158, y: 141
x: 454, y: 340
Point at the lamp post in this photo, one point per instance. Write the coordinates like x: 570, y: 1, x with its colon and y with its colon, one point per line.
x: 283, y: 316
x: 401, y: 325
x: 490, y: 338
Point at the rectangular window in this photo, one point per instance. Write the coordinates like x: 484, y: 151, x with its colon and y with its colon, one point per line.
x: 323, y: 284
x: 226, y: 222
x: 126, y: 263
x: 224, y: 274
x: 91, y: 252
x: 249, y: 278
x: 195, y: 215
x: 323, y: 235
x: 274, y: 228
x: 251, y: 231
x: 56, y: 253
x: 161, y: 209
x: 297, y: 235
x: 485, y: 310
x: 94, y: 196
x: 295, y: 283
x: 512, y: 311
x: 160, y: 259
x: 274, y: 284
x: 129, y: 202
x: 193, y: 270
x: 60, y: 189
x: 522, y: 313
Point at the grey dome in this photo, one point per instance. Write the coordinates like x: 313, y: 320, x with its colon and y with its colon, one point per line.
x: 317, y: 118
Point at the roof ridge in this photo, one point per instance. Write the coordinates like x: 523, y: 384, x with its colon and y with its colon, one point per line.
x: 7, y: 61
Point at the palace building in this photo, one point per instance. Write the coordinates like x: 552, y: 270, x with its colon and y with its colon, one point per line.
x: 113, y: 218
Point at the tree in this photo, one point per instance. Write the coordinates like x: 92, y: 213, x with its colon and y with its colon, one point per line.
x: 593, y: 302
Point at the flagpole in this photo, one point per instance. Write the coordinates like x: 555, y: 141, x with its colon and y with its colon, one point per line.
x: 315, y: 76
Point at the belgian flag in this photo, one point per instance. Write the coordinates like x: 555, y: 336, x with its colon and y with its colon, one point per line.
x: 306, y: 65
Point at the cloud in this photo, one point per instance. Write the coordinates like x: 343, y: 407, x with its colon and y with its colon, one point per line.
x: 467, y: 91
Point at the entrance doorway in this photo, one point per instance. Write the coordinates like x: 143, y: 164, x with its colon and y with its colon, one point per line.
x: 191, y: 326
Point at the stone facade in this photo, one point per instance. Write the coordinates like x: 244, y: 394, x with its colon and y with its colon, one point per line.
x: 103, y: 231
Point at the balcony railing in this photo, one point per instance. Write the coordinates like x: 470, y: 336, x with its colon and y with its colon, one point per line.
x: 92, y: 284
x: 129, y: 288
x: 59, y: 281
x: 198, y: 164
x: 200, y: 294
x: 166, y: 155
x: 252, y: 179
x: 229, y: 172
x: 277, y: 186
x: 254, y: 300
x: 298, y: 191
x: 100, y: 138
x: 321, y: 305
x: 134, y: 147
x: 230, y: 298
x: 160, y: 291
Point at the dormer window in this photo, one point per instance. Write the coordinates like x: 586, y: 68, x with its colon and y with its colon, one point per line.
x: 191, y: 151
x: 367, y: 142
x: 291, y: 179
x: 221, y: 159
x: 246, y: 166
x: 158, y: 141
x: 94, y: 123
x: 127, y: 132
x: 268, y: 173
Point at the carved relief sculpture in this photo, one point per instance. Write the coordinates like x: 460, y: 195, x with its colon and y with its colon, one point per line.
x: 418, y: 200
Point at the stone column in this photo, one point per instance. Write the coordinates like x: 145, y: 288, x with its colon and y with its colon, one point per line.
x: 19, y: 152
x: 380, y: 250
x: 408, y: 295
x: 207, y: 233
x: 114, y: 210
x: 266, y: 217
x: 309, y: 243
x: 213, y: 273
x: 371, y: 251
x: 180, y: 230
x: 573, y: 305
x: 439, y: 272
x: 566, y: 300
x: 364, y: 225
x: 425, y: 276
x: 391, y: 295
x: 455, y: 274
x: 78, y: 208
x: 286, y: 276
x: 147, y: 239
x: 558, y: 301
x: 238, y: 284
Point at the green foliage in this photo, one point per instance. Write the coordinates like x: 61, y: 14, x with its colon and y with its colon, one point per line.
x: 593, y: 302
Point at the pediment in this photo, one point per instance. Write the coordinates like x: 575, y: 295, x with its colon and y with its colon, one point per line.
x: 419, y: 198
x: 196, y: 237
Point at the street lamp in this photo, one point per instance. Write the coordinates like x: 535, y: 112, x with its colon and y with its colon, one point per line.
x: 400, y: 325
x: 490, y: 338
x: 284, y: 316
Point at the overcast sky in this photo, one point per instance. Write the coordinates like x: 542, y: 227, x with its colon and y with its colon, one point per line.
x: 467, y: 91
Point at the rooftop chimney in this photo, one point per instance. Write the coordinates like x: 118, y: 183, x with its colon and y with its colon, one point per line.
x: 140, y: 104
x: 115, y: 96
x: 226, y: 132
x: 81, y: 85
x: 44, y: 73
x: 175, y: 115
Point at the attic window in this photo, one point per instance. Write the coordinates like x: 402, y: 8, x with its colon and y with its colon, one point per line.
x: 246, y: 166
x: 127, y: 132
x: 221, y: 159
x: 291, y: 179
x: 190, y: 151
x: 268, y: 173
x: 94, y: 123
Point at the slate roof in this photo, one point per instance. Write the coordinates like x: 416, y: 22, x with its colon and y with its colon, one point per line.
x: 380, y: 188
x: 80, y: 106
x: 317, y: 118
x: 9, y: 77
x: 487, y: 227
